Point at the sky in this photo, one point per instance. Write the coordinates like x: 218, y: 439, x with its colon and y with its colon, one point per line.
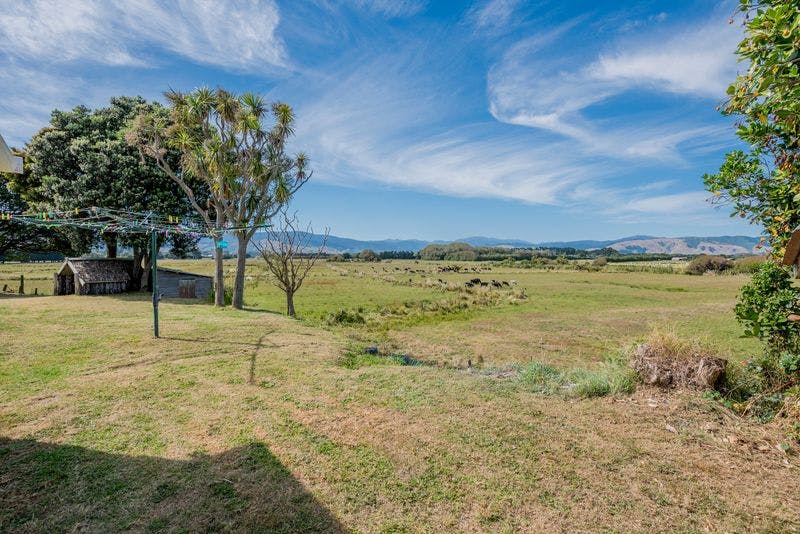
x: 547, y: 120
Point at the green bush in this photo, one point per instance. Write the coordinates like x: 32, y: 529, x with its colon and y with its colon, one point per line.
x: 708, y: 263
x: 759, y: 385
x: 345, y: 317
x: 228, y: 291
x: 764, y: 306
x: 748, y: 264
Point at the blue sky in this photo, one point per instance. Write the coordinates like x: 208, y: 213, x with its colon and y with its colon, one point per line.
x: 540, y: 120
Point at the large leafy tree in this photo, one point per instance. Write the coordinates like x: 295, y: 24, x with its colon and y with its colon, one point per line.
x: 763, y: 185
x: 18, y: 240
x: 81, y: 159
x: 226, y: 145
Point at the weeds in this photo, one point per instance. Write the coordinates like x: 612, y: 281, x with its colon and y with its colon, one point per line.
x: 345, y: 317
x: 355, y: 358
x: 612, y: 377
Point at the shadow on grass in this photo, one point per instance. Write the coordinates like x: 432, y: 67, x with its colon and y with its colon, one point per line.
x: 47, y: 487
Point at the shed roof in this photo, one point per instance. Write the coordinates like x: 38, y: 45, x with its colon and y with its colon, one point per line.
x: 178, y: 271
x: 792, y: 248
x: 99, y: 270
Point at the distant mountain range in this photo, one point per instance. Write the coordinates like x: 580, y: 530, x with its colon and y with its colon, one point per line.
x: 639, y: 244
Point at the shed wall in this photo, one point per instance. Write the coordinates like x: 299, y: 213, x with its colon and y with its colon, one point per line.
x: 168, y: 283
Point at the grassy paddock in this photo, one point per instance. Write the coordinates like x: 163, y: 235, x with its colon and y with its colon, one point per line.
x: 561, y: 317
x: 245, y: 420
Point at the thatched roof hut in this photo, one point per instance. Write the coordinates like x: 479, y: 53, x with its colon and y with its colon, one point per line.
x: 93, y: 277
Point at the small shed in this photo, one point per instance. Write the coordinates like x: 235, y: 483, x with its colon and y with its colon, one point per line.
x: 79, y: 276
x: 180, y: 284
x: 93, y: 277
x: 792, y: 254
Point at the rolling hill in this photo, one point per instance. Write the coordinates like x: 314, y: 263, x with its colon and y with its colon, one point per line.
x: 639, y: 244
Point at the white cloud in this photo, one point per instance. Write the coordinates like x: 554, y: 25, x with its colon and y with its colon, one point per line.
x: 234, y: 34
x: 670, y: 204
x: 382, y: 123
x: 528, y: 87
x: 700, y: 62
x: 392, y: 8
x: 494, y: 14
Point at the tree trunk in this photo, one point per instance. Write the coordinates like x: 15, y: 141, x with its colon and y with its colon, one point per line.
x: 219, y: 282
x: 136, y: 273
x: 241, y: 263
x: 290, y: 303
x: 111, y: 245
x: 147, y: 271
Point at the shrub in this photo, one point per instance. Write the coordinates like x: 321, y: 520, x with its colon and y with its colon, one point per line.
x: 748, y: 264
x: 368, y: 255
x: 228, y: 295
x: 758, y: 387
x: 708, y: 263
x: 764, y: 306
x: 600, y: 262
x: 345, y: 317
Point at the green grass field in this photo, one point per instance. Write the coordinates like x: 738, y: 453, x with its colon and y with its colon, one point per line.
x: 248, y: 421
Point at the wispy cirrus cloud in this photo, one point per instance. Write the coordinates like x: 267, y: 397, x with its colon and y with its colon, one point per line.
x: 528, y: 87
x: 382, y: 123
x: 234, y: 34
x: 392, y: 8
x: 493, y: 15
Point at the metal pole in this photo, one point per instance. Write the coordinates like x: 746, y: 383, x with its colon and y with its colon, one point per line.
x: 154, y: 278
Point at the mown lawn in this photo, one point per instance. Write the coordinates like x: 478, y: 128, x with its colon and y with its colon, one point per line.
x: 249, y: 421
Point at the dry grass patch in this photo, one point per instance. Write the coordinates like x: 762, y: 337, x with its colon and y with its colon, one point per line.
x: 666, y: 360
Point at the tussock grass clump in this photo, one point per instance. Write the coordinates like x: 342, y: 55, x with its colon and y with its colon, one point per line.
x: 669, y: 345
x: 542, y: 378
x: 345, y: 317
x: 355, y: 358
x: 667, y: 360
x: 612, y: 377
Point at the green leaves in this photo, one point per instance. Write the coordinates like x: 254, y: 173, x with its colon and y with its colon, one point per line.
x: 764, y: 185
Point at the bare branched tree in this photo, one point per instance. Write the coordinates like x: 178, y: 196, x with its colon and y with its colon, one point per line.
x: 289, y: 254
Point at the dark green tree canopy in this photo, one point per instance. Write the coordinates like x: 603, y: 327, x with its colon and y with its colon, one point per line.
x: 81, y: 159
x: 18, y: 241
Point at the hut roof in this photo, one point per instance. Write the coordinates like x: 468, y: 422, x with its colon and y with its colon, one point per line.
x: 178, y: 271
x: 99, y: 270
x: 792, y: 248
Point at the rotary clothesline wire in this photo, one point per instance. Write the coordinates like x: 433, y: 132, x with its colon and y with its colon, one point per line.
x: 108, y: 220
